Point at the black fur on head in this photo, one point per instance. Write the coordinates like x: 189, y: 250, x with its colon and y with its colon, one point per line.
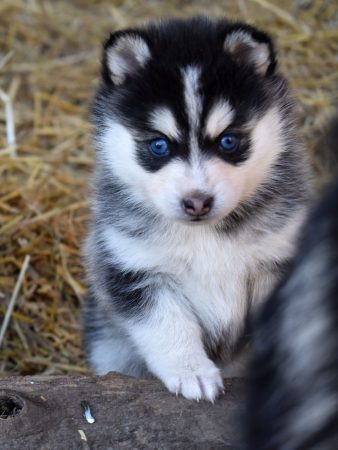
x: 143, y: 67
x: 190, y: 40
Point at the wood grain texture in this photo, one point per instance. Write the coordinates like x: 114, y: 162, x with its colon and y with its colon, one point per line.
x: 130, y: 414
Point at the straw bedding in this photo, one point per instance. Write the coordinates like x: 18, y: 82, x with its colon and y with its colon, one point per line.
x: 49, y: 63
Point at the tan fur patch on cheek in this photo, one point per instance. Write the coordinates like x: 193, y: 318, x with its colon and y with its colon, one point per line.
x: 265, y: 149
x: 232, y: 184
x: 226, y: 182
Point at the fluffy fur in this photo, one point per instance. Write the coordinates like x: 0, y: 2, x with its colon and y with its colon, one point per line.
x: 293, y: 390
x: 169, y: 292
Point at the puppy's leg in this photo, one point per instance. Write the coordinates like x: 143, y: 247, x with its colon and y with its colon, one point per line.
x: 108, y: 346
x: 113, y: 352
x: 169, y: 339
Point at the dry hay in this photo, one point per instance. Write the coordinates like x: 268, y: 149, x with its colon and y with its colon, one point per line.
x: 48, y: 68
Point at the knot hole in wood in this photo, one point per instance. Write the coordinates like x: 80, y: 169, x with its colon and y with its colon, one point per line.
x: 10, y: 405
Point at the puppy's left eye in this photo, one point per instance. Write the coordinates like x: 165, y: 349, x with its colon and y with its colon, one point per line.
x: 229, y: 142
x: 159, y: 147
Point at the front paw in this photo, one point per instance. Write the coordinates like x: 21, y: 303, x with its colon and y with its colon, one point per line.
x: 195, y: 382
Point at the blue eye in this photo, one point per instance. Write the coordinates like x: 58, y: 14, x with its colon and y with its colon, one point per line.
x: 229, y: 142
x: 159, y: 147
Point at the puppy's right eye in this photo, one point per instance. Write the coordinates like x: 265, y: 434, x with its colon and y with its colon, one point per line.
x: 159, y: 147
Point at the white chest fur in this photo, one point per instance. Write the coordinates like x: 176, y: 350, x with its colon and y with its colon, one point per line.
x: 210, y: 270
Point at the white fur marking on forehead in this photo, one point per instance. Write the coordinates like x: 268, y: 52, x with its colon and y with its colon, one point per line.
x: 192, y: 98
x: 125, y: 56
x: 163, y: 120
x: 219, y: 118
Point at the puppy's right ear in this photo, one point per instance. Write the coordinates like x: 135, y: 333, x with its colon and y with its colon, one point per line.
x: 251, y: 47
x: 125, y: 52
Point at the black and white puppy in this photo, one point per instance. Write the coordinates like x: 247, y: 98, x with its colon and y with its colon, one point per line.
x: 201, y: 187
x: 293, y: 388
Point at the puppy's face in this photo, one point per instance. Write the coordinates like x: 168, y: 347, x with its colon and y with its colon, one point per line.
x: 186, y: 117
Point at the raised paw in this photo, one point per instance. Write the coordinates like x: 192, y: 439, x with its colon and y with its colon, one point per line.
x: 203, y: 382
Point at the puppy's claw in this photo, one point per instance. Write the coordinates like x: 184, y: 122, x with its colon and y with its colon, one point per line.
x: 205, y: 382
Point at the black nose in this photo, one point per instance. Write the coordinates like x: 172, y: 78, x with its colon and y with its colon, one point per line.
x: 197, y: 205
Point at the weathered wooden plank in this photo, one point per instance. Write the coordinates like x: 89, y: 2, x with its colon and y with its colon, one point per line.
x: 129, y: 414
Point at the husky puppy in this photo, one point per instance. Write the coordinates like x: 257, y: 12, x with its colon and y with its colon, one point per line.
x: 293, y: 389
x: 201, y: 186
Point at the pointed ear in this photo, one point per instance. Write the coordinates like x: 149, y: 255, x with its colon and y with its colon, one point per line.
x: 125, y: 53
x: 248, y: 46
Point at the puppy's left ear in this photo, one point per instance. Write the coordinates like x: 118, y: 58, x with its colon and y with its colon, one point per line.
x: 249, y: 46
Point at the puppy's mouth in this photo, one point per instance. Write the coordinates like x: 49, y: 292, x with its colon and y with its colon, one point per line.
x: 207, y: 219
x: 198, y: 220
